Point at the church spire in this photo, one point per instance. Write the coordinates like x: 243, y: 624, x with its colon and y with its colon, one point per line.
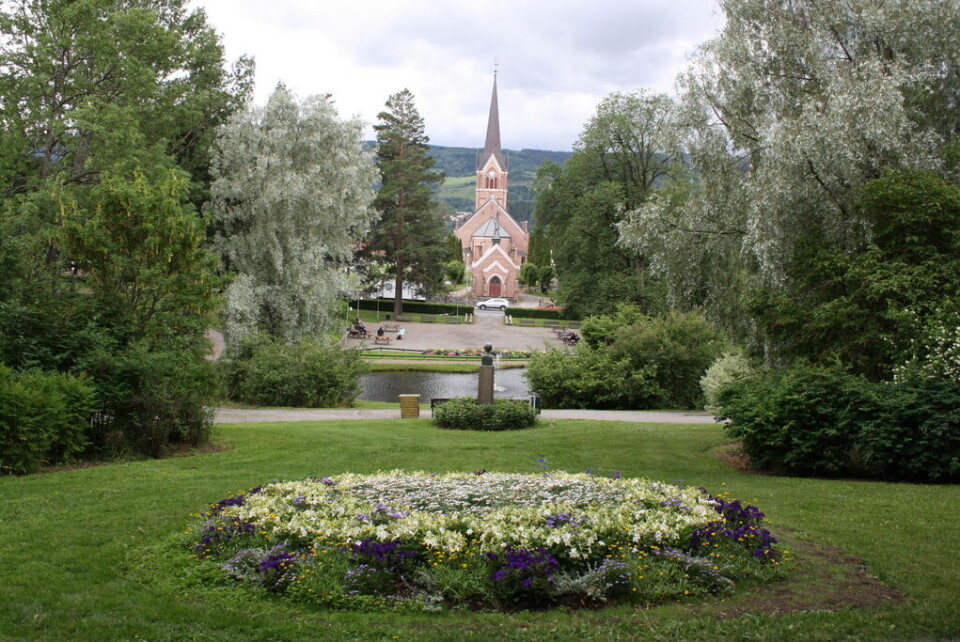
x: 492, y: 144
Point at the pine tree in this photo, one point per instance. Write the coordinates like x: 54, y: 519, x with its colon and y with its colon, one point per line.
x: 410, y: 234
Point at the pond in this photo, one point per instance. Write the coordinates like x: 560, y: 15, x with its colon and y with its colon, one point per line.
x: 387, y: 386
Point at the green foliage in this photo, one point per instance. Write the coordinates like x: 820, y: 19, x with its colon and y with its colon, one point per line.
x: 802, y: 420
x: 410, y: 235
x: 308, y: 374
x: 913, y: 431
x: 591, y: 379
x: 815, y: 420
x: 150, y: 397
x: 537, y: 313
x: 142, y: 251
x: 601, y: 330
x: 466, y: 413
x: 617, y: 162
x: 865, y: 308
x: 678, y: 347
x: 653, y: 363
x: 44, y: 418
x: 724, y: 373
x: 529, y: 274
x: 292, y: 196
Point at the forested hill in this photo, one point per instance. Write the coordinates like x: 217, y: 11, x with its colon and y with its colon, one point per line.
x: 459, y: 164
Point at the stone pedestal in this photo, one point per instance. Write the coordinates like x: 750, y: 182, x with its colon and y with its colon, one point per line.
x: 485, y: 387
x: 409, y: 406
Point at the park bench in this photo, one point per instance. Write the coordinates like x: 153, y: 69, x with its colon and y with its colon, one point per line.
x: 381, y: 340
x: 526, y: 322
x: 391, y: 327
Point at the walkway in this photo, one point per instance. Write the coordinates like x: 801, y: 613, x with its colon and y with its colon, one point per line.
x: 261, y: 415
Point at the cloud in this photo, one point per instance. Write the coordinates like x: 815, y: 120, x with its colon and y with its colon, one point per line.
x: 557, y: 58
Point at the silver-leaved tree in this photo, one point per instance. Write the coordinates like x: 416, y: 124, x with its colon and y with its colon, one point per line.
x: 784, y: 117
x: 292, y: 197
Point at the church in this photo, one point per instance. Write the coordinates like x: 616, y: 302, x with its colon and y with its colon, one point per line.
x: 494, y: 245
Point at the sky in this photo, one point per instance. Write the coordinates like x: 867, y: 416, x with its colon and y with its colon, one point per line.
x: 555, y: 59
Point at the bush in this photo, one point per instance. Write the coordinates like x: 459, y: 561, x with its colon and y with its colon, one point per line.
x: 803, y: 420
x: 43, y: 419
x: 654, y: 363
x: 306, y: 374
x: 725, y: 372
x: 154, y: 398
x: 913, y: 432
x: 466, y: 413
x: 591, y: 379
x: 678, y: 347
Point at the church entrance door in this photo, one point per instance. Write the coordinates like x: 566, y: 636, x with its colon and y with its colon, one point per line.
x: 495, y: 286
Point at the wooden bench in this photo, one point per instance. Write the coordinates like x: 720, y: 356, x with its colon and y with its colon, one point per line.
x: 451, y: 319
x: 391, y: 327
x: 526, y: 322
x: 552, y: 324
x: 437, y: 401
x: 381, y: 340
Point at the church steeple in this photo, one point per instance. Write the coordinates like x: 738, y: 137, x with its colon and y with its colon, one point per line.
x: 492, y: 145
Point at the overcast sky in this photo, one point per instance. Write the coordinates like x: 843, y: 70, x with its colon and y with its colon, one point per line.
x: 557, y: 58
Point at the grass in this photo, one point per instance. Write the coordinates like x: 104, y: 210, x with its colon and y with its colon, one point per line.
x: 79, y: 561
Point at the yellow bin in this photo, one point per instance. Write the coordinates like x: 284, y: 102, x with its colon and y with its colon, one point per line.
x: 409, y: 406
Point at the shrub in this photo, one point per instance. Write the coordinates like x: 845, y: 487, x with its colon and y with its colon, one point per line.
x: 466, y: 413
x: 725, y: 372
x: 306, y: 374
x: 154, y: 398
x: 43, y: 418
x: 678, y: 347
x: 803, y: 420
x: 591, y: 379
x: 913, y: 431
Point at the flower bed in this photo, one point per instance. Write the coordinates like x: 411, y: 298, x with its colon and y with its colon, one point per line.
x: 460, y: 352
x: 491, y: 540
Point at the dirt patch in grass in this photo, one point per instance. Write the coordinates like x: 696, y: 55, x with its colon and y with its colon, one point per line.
x: 823, y: 578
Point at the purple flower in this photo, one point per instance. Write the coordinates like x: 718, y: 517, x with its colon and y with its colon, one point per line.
x: 328, y: 482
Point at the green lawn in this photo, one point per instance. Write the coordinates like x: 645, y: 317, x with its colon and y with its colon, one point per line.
x: 78, y: 565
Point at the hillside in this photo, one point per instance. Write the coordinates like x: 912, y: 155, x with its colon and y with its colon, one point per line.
x: 459, y: 164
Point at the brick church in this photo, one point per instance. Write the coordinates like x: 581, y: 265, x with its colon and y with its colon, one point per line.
x: 494, y: 245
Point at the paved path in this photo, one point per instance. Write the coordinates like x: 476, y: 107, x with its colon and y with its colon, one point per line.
x: 238, y: 416
x: 487, y: 327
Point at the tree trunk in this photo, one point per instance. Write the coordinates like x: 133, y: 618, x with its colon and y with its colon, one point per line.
x: 398, y: 296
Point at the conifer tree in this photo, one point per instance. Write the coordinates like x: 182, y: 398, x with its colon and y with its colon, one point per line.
x: 410, y: 234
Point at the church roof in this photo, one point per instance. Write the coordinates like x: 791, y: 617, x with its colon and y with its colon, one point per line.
x: 492, y: 229
x: 492, y: 144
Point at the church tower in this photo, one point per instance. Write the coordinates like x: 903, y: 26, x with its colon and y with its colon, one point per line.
x: 494, y: 245
x: 492, y: 162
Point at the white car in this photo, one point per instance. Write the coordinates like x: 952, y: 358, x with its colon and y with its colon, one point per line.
x: 494, y: 304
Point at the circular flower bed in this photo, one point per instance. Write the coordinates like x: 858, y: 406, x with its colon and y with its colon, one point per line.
x: 489, y: 540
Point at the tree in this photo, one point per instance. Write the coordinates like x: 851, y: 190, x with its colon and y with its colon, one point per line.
x: 617, y: 162
x: 871, y: 310
x: 783, y: 117
x: 107, y: 108
x: 292, y: 194
x: 89, y: 83
x: 409, y: 237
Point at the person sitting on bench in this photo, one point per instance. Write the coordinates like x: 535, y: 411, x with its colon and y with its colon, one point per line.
x: 380, y: 331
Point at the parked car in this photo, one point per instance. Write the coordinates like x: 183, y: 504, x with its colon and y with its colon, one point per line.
x: 494, y: 304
